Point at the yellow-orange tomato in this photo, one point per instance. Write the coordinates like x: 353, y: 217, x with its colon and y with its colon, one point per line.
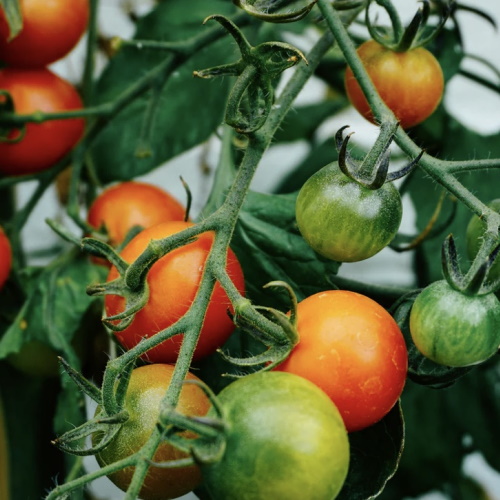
x: 44, y: 143
x: 352, y: 348
x: 50, y: 30
x: 5, y: 258
x: 128, y: 204
x: 411, y: 83
x: 173, y: 283
x: 147, y: 387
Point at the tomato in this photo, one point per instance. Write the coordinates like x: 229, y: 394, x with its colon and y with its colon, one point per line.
x: 352, y: 348
x: 147, y: 387
x: 411, y: 83
x: 475, y: 231
x: 173, y: 283
x: 5, y: 258
x: 128, y: 204
x: 455, y: 329
x: 343, y: 220
x: 285, y: 441
x: 44, y: 143
x: 50, y: 30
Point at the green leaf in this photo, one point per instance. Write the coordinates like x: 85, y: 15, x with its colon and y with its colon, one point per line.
x: 188, y: 110
x: 270, y: 247
x: 13, y: 15
x: 55, y: 305
x: 375, y: 455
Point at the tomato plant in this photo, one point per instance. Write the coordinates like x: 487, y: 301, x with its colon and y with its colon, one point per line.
x: 344, y: 220
x: 411, y: 83
x: 173, y: 282
x: 147, y: 387
x: 285, y: 440
x: 128, y: 204
x: 352, y: 348
x: 455, y: 329
x: 43, y: 143
x: 50, y: 30
x: 5, y: 257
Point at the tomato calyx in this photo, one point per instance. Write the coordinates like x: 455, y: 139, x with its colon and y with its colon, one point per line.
x: 372, y: 171
x: 474, y: 282
x: 256, y: 70
x: 276, y: 330
x: 9, y: 132
x: 279, y: 12
x: 415, y: 34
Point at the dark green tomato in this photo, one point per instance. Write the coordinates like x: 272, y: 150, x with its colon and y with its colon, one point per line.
x: 455, y: 329
x: 285, y: 441
x: 474, y: 235
x: 343, y: 220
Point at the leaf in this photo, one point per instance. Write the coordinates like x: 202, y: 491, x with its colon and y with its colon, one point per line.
x: 55, y: 305
x: 188, y: 110
x: 13, y: 15
x: 375, y: 455
x: 270, y: 247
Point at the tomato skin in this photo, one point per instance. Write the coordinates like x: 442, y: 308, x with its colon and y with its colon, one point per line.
x: 343, y: 220
x: 173, y: 282
x: 50, y: 30
x: 285, y: 441
x: 474, y: 235
x: 128, y: 204
x: 147, y: 387
x: 455, y: 329
x: 44, y: 143
x: 5, y: 258
x: 352, y: 348
x: 411, y: 83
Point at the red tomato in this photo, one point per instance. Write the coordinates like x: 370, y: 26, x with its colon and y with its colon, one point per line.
x: 411, y: 83
x: 173, y: 282
x: 50, y: 30
x: 44, y: 143
x: 5, y: 258
x: 352, y: 348
x: 129, y: 204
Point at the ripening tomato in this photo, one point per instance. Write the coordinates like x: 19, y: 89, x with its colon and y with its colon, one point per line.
x: 44, y: 143
x: 173, y: 283
x: 343, y: 220
x: 128, y: 204
x: 5, y: 258
x: 411, y: 83
x: 352, y: 348
x: 147, y: 387
x: 50, y: 30
x: 285, y: 440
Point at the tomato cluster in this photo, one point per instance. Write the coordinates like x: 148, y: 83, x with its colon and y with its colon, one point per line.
x: 50, y: 30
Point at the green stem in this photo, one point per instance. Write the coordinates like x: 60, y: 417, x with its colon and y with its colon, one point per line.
x: 88, y: 72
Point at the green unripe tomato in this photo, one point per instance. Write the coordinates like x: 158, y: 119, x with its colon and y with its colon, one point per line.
x: 455, y: 329
x: 474, y: 235
x: 343, y: 220
x: 285, y: 441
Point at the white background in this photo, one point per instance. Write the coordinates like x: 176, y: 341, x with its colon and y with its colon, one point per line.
x: 479, y: 108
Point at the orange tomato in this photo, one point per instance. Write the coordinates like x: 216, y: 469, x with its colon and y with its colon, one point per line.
x: 411, y: 83
x: 352, y: 348
x: 128, y: 204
